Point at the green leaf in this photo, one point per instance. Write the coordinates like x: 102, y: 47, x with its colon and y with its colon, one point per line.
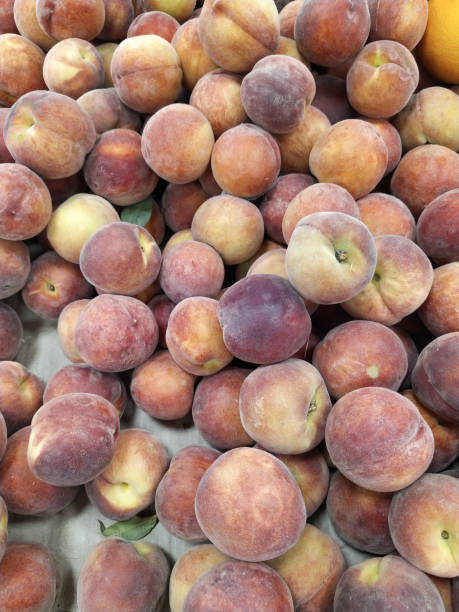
x: 139, y: 213
x: 133, y: 529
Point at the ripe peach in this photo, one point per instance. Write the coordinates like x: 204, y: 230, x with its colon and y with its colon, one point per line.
x: 404, y: 22
x: 180, y: 10
x: 180, y: 202
x: 66, y: 327
x: 287, y: 16
x: 14, y: 267
x: 331, y: 98
x: 107, y: 111
x: 161, y: 307
x: 118, y: 16
x: 6, y: 10
x: 76, y: 18
x: 386, y: 214
x: 106, y: 51
x: 21, y: 66
x: 194, y: 60
x: 438, y: 228
x: 26, y: 20
x: 21, y: 395
x: 153, y: 22
x: 391, y: 139
x: 10, y: 332
x: 439, y: 311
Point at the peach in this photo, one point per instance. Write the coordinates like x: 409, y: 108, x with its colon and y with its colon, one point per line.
x: 236, y: 34
x: 284, y: 406
x: 225, y: 215
x: 287, y: 16
x: 276, y: 93
x: 295, y: 146
x: 84, y: 379
x: 3, y: 436
x: 21, y: 395
x: 161, y: 307
x: 120, y: 258
x: 22, y: 491
x: 49, y: 133
x: 446, y: 436
x: 175, y: 494
x: 432, y: 116
x: 3, y: 527
x: 108, y: 112
x: 215, y: 409
x: 122, y: 575
x: 433, y: 376
x: 424, y: 524
x: 29, y: 578
x: 400, y: 284
x: 180, y: 202
x: 73, y: 67
x: 63, y: 188
x: 155, y: 224
x: 287, y: 46
x: 331, y: 98
x: 66, y: 327
x: 75, y: 18
x: 21, y: 65
x: 239, y: 499
x: 382, y: 79
x: 386, y: 583
x: 439, y: 311
x: 153, y: 22
x: 146, y: 72
x: 194, y: 60
x: 404, y: 22
x: 311, y: 570
x: 14, y: 266
x: 188, y: 568
x: 217, y: 95
x: 10, y: 332
x: 194, y: 337
x: 386, y: 214
x: 106, y: 51
x: 25, y: 18
x: 263, y: 319
x: 438, y: 228
x: 378, y: 439
x: 337, y: 156
x: 244, y: 266
x: 245, y: 161
x: 72, y: 439
x: 176, y: 238
x: 234, y: 585
x: 7, y: 15
x: 344, y: 257
x: 128, y: 337
x: 360, y: 516
x: 276, y: 201
x: 129, y: 483
x: 320, y: 197
x: 180, y: 10
x: 391, y: 139
x: 26, y: 202
x: 412, y: 353
x: 332, y: 36
x: 360, y: 354
x: 161, y: 388
x: 52, y: 284
x: 118, y: 16
x: 5, y: 155
x: 445, y: 588
x: 423, y: 174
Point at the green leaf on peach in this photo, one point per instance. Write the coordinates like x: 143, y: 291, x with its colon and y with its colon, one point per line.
x: 138, y: 213
x: 132, y: 529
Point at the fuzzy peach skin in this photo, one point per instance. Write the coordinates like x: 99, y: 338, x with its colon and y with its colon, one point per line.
x: 439, y: 312
x: 129, y: 483
x: 66, y: 327
x: 239, y: 500
x: 161, y: 307
x: 128, y: 337
x: 74, y: 18
x: 397, y: 20
x: 330, y: 257
x: 8, y: 25
x: 424, y: 524
x: 359, y: 516
x: 401, y: 282
x: 383, y: 214
x: 30, y: 578
x: 378, y: 439
x: 22, y: 491
x: 434, y: 375
x: 14, y: 267
x: 180, y: 202
x: 438, y: 228
x: 446, y: 436
x: 21, y: 67
x: 106, y: 51
x: 188, y: 568
x: 107, y: 111
x: 360, y: 354
x: 153, y: 22
x: 5, y: 155
x: 311, y: 569
x: 25, y: 18
x: 263, y: 319
x: 176, y: 492
x: 120, y: 257
x: 161, y: 388
x: 352, y: 154
x: 11, y: 332
x: 287, y: 16
x: 244, y: 266
x: 75, y: 220
x: 382, y: 79
x: 54, y: 283
x: 3, y: 436
x: 386, y: 583
x: 194, y: 60
x: 391, y: 139
x: 26, y: 202
x: 284, y: 406
x: 320, y: 197
x: 146, y: 73
x: 121, y: 575
x: 236, y: 34
x: 84, y: 379
x: 180, y: 10
x: 331, y: 98
x: 21, y: 394
x: 50, y: 133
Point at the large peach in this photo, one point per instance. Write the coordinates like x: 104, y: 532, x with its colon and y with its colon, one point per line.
x: 438, y: 228
x: 397, y: 20
x: 180, y: 202
x: 107, y: 111
x: 439, y: 311
x: 118, y: 16
x: 21, y: 67
x: 74, y: 18
x: 153, y: 22
x: 25, y: 18
x: 194, y: 60
x: 385, y: 214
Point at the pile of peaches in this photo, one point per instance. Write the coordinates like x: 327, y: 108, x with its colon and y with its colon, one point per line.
x: 244, y: 216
